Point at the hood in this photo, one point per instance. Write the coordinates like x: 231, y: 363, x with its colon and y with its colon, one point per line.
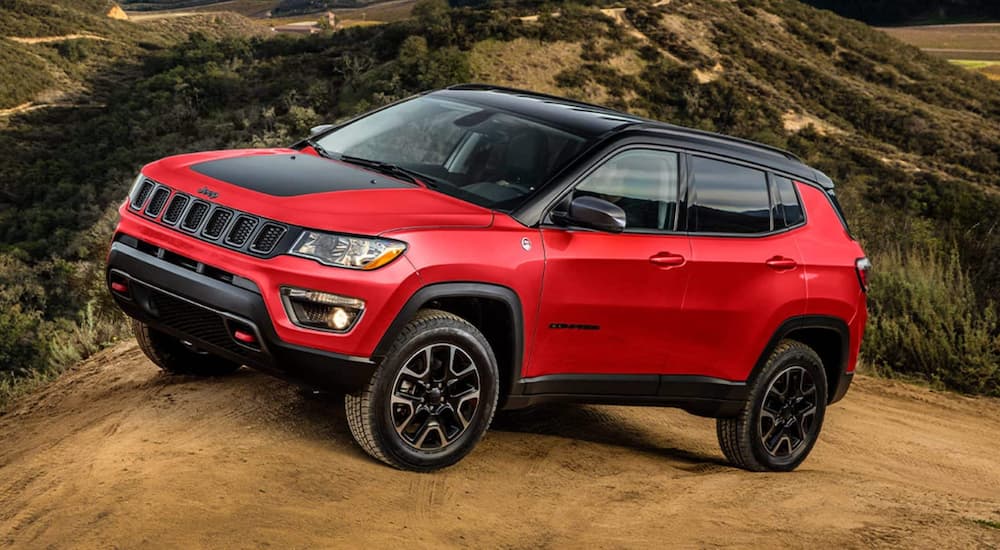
x: 310, y: 191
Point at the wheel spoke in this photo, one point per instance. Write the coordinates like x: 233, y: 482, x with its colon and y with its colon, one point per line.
x: 426, y: 429
x: 411, y: 403
x: 774, y: 439
x: 770, y: 408
x: 451, y: 361
x: 464, y: 398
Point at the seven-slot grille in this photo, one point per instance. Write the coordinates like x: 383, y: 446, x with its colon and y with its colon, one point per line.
x: 209, y: 222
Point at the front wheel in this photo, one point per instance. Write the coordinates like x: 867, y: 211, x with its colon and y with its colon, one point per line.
x: 782, y: 418
x: 431, y: 399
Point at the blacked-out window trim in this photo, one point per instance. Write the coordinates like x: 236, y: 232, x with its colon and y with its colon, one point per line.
x: 798, y: 199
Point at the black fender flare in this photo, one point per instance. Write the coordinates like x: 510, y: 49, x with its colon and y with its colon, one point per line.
x: 435, y: 291
x: 837, y: 384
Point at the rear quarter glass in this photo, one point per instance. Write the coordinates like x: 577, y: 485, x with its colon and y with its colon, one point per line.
x: 828, y: 254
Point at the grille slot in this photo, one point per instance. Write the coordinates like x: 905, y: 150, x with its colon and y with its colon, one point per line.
x: 216, y: 223
x: 267, y: 239
x: 158, y: 201
x: 140, y: 197
x: 241, y: 231
x: 175, y: 209
x: 195, y: 216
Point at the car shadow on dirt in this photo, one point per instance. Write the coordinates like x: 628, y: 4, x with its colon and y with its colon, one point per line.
x: 596, y: 425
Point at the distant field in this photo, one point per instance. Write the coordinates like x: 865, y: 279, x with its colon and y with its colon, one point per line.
x: 392, y: 10
x: 967, y: 37
x: 975, y: 46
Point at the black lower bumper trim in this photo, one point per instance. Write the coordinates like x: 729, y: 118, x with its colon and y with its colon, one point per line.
x: 700, y: 395
x: 203, y: 311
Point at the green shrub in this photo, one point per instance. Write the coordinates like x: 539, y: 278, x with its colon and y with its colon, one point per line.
x: 925, y: 321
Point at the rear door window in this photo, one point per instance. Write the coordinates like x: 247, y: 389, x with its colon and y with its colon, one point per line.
x: 727, y: 198
x: 788, y: 209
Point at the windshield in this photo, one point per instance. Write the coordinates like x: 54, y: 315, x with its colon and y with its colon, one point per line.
x: 491, y: 158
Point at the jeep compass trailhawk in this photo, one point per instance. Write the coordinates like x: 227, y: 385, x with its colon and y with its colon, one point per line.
x: 480, y: 248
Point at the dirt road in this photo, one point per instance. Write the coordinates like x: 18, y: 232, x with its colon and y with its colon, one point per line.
x: 114, y: 454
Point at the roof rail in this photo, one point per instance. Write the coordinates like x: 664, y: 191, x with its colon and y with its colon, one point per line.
x: 657, y: 125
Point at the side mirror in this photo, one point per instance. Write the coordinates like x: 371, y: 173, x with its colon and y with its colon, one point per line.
x: 316, y: 130
x: 592, y: 213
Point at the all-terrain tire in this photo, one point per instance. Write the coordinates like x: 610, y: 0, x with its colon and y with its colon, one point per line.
x: 174, y: 357
x: 744, y: 438
x: 376, y: 413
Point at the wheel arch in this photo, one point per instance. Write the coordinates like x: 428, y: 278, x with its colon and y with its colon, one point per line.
x: 828, y: 336
x: 493, y: 309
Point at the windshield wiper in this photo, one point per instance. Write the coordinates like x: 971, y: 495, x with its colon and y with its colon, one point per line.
x: 390, y: 169
x: 319, y: 149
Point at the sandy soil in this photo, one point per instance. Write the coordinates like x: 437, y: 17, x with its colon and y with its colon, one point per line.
x: 115, y: 454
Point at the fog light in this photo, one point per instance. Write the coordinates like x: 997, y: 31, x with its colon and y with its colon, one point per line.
x: 321, y: 310
x: 340, y: 318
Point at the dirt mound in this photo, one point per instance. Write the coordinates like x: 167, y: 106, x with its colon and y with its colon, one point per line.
x: 115, y: 454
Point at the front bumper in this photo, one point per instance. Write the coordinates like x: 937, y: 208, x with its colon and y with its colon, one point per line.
x: 206, y: 308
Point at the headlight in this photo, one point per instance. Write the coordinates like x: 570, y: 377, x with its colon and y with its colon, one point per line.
x: 346, y: 250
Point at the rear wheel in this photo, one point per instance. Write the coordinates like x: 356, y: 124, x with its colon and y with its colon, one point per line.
x: 781, y: 420
x: 431, y: 399
x: 176, y: 357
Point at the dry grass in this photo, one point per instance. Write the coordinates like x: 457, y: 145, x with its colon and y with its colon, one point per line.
x: 523, y: 63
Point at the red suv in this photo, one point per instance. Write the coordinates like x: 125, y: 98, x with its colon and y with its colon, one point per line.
x: 480, y: 248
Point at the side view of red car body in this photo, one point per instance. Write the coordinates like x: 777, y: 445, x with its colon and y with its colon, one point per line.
x: 476, y: 248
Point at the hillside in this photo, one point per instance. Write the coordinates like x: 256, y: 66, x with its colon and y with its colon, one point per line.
x: 54, y: 52
x: 116, y: 455
x: 913, y: 142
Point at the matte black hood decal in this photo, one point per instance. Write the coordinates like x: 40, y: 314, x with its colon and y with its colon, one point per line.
x: 292, y: 175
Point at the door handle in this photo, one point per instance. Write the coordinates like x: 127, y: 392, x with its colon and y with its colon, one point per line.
x: 780, y: 263
x: 666, y: 259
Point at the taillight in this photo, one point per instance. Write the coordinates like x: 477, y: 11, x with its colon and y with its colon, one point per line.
x: 864, y: 268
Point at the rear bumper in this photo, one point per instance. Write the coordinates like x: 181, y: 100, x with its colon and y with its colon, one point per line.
x: 206, y: 310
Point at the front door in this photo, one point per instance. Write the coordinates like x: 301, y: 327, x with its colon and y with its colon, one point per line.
x: 611, y: 303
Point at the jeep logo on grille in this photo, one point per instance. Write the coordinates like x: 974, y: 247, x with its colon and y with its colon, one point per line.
x: 208, y: 192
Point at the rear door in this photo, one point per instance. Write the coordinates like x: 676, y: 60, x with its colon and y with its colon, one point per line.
x: 611, y: 303
x: 746, y: 268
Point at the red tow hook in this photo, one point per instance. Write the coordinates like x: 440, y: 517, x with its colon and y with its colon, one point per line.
x: 119, y: 287
x: 245, y: 337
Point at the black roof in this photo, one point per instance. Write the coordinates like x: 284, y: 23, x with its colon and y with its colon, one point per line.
x: 589, y: 121
x: 593, y: 121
